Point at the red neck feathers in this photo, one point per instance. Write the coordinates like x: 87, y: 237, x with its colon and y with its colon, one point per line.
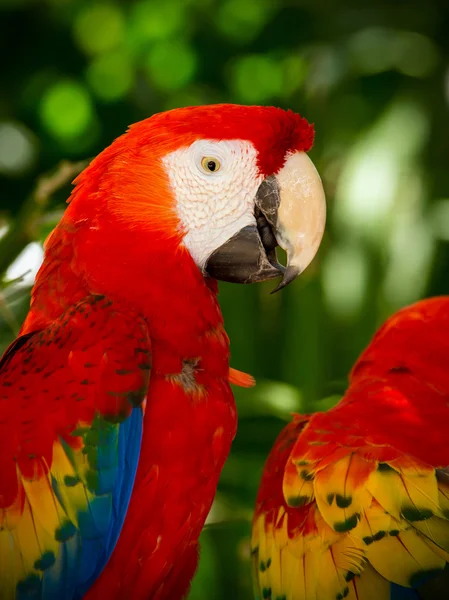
x: 120, y: 236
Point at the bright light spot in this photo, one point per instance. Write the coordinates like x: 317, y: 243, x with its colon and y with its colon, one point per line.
x: 369, y: 185
x: 439, y: 219
x: 242, y: 21
x: 26, y: 264
x: 279, y: 397
x: 99, y: 28
x: 171, y: 65
x: 66, y: 109
x: 295, y: 71
x: 412, y: 250
x: 371, y: 49
x: 218, y: 512
x: 257, y: 78
x: 17, y: 148
x: 151, y: 20
x: 3, y: 230
x: 111, y: 75
x: 325, y: 69
x: 417, y: 55
x: 345, y: 280
x: 377, y: 49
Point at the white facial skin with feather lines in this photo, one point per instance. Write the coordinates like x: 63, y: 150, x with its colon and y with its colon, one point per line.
x: 213, y: 205
x: 215, y: 184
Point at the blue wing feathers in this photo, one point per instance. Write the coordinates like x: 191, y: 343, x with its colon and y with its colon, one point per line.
x: 124, y: 449
x: 94, y: 525
x: 129, y: 443
x: 84, y: 550
x: 74, y: 503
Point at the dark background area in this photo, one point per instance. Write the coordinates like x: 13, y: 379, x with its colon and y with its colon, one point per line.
x: 372, y: 76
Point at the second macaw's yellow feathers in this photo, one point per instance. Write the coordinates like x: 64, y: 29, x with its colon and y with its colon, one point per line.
x: 354, y: 502
x: 340, y: 491
x: 350, y: 528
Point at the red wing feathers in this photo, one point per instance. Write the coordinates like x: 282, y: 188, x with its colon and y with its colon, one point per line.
x: 351, y: 501
x: 70, y: 427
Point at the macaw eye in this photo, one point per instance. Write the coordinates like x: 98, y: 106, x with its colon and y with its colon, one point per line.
x: 210, y: 164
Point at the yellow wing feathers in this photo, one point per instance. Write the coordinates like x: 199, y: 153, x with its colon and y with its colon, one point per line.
x: 41, y: 519
x: 348, y: 528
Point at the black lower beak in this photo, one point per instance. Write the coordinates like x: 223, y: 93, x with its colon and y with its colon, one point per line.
x: 250, y: 255
x: 289, y: 211
x: 244, y: 258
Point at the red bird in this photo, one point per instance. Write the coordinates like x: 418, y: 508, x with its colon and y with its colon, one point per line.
x: 354, y: 502
x: 116, y: 413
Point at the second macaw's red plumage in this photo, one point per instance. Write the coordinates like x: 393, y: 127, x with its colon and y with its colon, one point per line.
x: 354, y: 502
x: 116, y: 413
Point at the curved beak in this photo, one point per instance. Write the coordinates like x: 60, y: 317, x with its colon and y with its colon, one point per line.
x: 290, y: 211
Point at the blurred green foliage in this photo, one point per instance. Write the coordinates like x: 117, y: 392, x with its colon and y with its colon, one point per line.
x: 373, y: 77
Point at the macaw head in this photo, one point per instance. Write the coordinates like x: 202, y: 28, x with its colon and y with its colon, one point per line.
x: 226, y: 183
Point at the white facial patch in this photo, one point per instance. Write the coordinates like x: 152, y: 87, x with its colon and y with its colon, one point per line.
x: 215, y: 183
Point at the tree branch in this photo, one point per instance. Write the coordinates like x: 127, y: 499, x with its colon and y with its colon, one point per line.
x: 24, y: 229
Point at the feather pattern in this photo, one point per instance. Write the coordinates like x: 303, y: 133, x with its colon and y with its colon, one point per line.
x: 70, y: 433
x: 123, y: 235
x: 350, y: 504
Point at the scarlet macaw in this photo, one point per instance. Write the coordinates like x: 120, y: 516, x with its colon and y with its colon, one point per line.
x: 116, y: 413
x: 354, y: 502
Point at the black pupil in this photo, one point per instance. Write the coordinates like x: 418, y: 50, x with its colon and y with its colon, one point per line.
x: 211, y: 165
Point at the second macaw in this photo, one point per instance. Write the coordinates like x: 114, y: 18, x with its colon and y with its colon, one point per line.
x: 116, y: 413
x: 354, y: 502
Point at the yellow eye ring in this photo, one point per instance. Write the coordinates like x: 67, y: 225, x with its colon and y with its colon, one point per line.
x: 210, y: 164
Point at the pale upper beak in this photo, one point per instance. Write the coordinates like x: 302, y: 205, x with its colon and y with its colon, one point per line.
x: 290, y: 211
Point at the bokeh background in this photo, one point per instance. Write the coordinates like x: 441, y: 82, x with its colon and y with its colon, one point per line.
x: 372, y: 76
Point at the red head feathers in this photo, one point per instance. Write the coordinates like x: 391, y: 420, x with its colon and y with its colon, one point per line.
x: 273, y: 131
